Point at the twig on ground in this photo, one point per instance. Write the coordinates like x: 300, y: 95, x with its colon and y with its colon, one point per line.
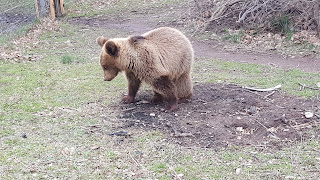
x: 303, y: 86
x: 129, y: 109
x: 267, y: 129
x: 175, y: 173
x: 264, y: 90
x: 270, y: 94
x: 137, y: 163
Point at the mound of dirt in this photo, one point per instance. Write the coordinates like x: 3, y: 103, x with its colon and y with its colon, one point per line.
x: 221, y: 115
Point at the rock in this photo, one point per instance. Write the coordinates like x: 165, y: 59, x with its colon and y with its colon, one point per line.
x: 284, y: 119
x: 180, y: 175
x: 238, y: 171
x: 252, y: 110
x: 24, y: 135
x: 239, y: 129
x: 120, y: 133
x: 94, y: 147
x: 308, y: 114
x: 152, y: 114
x: 144, y: 102
x: 272, y: 129
x: 183, y: 134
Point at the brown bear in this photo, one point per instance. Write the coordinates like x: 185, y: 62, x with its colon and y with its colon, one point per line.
x: 162, y: 58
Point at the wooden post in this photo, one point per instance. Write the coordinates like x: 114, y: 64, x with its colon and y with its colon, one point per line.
x: 61, y: 7
x: 52, y: 12
x: 37, y: 8
x: 57, y: 8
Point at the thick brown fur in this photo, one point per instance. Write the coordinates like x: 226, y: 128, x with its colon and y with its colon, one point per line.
x: 162, y: 58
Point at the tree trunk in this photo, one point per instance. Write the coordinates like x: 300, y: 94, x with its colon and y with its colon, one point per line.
x: 317, y: 18
x: 41, y: 8
x: 57, y: 8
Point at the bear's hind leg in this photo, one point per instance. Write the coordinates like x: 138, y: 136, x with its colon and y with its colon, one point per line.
x: 184, y: 87
x: 165, y: 87
x: 133, y: 87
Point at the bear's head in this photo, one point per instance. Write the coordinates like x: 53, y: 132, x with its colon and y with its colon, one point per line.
x: 108, y: 57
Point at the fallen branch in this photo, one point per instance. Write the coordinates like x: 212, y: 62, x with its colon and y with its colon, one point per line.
x: 303, y: 86
x: 250, y: 10
x: 267, y: 129
x: 265, y: 14
x: 264, y: 90
x: 270, y: 94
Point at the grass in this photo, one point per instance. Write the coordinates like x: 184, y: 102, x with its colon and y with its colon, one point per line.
x: 66, y: 111
x: 121, y: 7
x: 256, y: 75
x: 21, y: 31
x: 23, y: 8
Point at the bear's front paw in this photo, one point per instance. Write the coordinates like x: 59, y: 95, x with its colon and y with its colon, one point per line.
x: 171, y: 107
x: 127, y: 99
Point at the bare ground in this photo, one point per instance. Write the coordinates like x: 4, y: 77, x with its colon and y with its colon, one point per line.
x: 10, y: 22
x: 222, y: 115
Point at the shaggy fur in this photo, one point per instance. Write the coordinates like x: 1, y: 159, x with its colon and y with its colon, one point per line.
x: 162, y: 58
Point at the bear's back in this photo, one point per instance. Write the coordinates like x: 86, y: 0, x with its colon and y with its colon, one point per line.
x: 172, y: 48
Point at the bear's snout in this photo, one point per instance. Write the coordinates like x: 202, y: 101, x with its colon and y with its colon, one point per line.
x: 107, y: 79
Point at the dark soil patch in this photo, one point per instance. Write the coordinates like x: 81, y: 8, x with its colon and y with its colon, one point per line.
x: 220, y: 115
x: 10, y: 22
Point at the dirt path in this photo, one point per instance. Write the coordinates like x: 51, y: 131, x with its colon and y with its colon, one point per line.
x: 207, y: 49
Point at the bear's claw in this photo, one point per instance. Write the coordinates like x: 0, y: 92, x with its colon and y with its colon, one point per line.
x: 127, y: 99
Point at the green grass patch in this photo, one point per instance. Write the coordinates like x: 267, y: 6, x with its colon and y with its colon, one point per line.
x: 85, y: 9
x: 6, y: 38
x: 66, y: 59
x: 255, y: 75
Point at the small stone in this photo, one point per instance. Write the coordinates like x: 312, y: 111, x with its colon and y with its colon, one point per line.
x: 252, y: 110
x: 144, y: 102
x: 238, y: 171
x: 308, y: 114
x: 176, y: 115
x: 152, y: 114
x: 284, y: 119
x: 272, y: 129
x: 184, y: 135
x: 94, y: 147
x: 180, y: 175
x: 239, y: 129
x: 318, y: 85
x: 238, y: 118
x: 120, y: 133
x: 24, y: 135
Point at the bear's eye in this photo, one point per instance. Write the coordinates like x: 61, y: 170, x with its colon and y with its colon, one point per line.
x: 105, y: 67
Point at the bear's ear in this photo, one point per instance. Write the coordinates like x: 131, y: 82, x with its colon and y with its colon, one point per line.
x: 111, y: 48
x: 136, y: 39
x: 101, y: 40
